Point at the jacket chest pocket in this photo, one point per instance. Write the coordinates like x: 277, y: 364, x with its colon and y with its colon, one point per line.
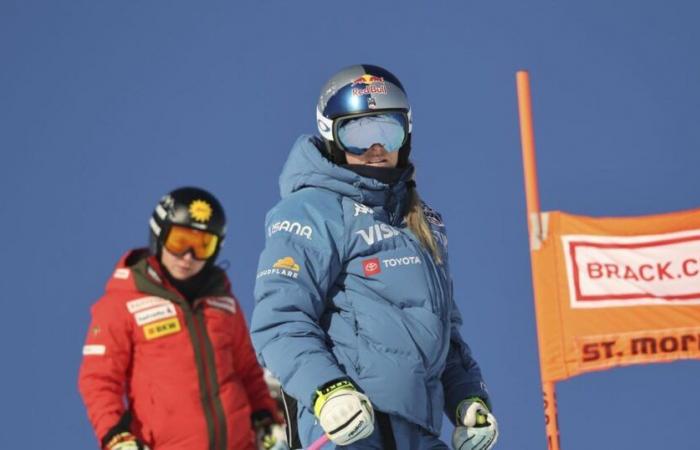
x: 219, y: 328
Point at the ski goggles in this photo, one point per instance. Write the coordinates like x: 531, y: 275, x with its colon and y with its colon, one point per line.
x: 356, y: 134
x: 181, y: 240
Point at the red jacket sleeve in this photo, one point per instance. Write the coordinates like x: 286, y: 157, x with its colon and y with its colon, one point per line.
x: 106, y: 359
x: 250, y: 371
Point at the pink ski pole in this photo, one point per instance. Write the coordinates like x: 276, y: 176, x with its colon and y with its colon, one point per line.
x: 319, y: 443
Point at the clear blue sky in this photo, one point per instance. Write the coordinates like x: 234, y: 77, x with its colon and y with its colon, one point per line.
x: 107, y: 105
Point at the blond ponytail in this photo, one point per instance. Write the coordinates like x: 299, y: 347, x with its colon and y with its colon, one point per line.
x: 415, y: 218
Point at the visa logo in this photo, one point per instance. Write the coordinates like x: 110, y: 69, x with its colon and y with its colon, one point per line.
x: 377, y: 232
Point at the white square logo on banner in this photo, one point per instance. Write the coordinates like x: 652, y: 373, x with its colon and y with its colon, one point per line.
x: 607, y: 271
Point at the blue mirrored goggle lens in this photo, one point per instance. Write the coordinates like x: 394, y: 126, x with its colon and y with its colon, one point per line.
x: 358, y: 134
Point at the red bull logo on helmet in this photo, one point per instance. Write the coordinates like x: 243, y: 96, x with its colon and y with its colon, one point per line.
x: 368, y: 84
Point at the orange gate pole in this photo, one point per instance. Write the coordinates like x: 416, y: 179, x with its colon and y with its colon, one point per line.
x: 532, y: 197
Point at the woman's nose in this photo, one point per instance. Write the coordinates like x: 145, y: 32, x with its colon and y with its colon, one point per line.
x: 376, y: 148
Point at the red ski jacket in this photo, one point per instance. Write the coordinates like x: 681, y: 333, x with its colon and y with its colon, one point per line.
x: 187, y: 373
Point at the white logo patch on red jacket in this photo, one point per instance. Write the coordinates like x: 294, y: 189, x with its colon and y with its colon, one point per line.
x: 157, y: 313
x: 145, y: 303
x: 94, y: 349
x: 122, y: 273
x: 225, y: 303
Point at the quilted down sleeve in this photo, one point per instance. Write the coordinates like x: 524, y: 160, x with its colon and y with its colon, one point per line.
x: 462, y: 376
x: 250, y: 371
x: 297, y: 268
x: 107, y: 356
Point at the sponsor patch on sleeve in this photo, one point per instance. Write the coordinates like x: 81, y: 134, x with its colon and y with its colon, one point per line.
x: 122, y: 273
x: 94, y: 349
x: 291, y: 227
x: 161, y: 328
x: 285, y: 266
x: 432, y: 216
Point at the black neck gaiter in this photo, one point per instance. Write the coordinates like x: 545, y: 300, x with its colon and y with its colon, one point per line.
x: 387, y: 175
x: 191, y: 287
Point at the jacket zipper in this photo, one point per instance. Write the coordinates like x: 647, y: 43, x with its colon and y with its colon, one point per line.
x: 213, y: 421
x: 208, y: 388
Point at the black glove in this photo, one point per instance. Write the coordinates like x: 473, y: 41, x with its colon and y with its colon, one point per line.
x: 125, y: 441
x: 120, y: 438
x: 263, y: 425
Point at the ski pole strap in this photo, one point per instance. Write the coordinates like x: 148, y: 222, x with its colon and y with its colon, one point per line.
x: 387, y: 433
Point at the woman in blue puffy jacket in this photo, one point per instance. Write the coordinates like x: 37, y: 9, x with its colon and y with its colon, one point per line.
x: 355, y: 312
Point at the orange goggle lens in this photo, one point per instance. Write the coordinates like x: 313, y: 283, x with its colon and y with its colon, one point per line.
x: 180, y: 240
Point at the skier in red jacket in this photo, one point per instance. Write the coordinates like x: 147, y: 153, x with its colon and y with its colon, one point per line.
x: 167, y: 362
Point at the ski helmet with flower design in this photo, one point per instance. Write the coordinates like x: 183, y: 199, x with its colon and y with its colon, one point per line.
x: 190, y: 207
x: 357, y: 91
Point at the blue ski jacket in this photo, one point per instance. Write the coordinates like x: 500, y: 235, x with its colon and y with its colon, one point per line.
x: 344, y: 289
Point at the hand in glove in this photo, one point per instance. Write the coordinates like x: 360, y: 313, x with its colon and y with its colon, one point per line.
x: 125, y: 441
x: 477, y: 428
x: 268, y: 434
x: 345, y: 414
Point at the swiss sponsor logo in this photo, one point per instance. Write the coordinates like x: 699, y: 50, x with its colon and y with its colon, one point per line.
x: 156, y: 313
x: 94, y: 349
x: 122, y: 273
x: 144, y: 303
x: 371, y: 266
x: 377, y: 232
x: 225, y: 303
x: 161, y: 328
x: 290, y: 227
x: 605, y: 271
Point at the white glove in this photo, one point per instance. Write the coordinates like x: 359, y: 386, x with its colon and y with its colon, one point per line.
x: 345, y: 414
x: 272, y: 438
x: 125, y: 441
x: 129, y: 445
x: 476, y: 429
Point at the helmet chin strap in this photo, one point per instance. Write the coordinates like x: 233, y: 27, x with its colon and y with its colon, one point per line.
x: 334, y: 153
x: 404, y: 152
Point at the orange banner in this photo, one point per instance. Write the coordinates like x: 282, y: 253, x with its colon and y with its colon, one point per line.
x: 611, y: 292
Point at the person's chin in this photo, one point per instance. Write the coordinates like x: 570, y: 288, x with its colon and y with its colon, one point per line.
x: 183, y: 274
